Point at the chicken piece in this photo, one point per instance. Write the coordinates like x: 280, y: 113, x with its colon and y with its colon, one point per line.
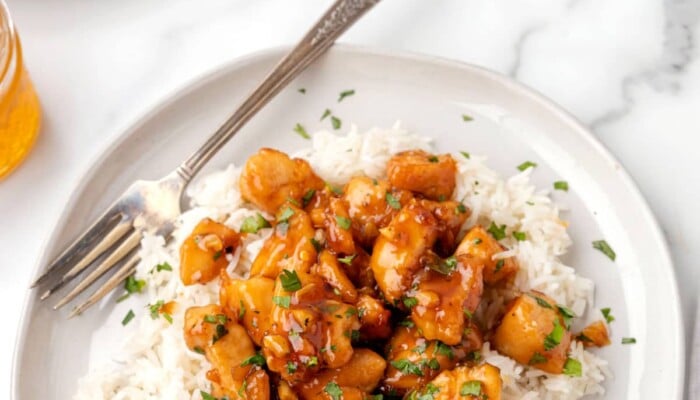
x: 450, y: 215
x: 482, y: 246
x: 399, y: 247
x: 445, y: 290
x: 331, y: 213
x: 371, y: 206
x: 269, y: 178
x: 329, y: 269
x: 476, y: 383
x: 203, y: 253
x: 374, y: 317
x: 419, y: 171
x: 226, y: 345
x: 414, y: 361
x: 289, y: 247
x: 356, y: 378
x: 285, y: 392
x: 249, y: 300
x: 594, y: 335
x: 534, y: 332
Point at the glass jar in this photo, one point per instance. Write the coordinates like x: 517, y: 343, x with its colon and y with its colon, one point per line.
x: 20, y: 114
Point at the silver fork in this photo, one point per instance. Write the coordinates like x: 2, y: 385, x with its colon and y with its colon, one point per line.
x: 153, y: 206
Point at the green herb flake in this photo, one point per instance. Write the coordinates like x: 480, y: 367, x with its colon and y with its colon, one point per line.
x: 206, y: 396
x: 168, y: 317
x: 392, y: 201
x: 317, y: 245
x: 470, y: 388
x: 254, y: 224
x: 572, y: 367
x: 605, y: 248
x: 410, y: 302
x: 129, y: 316
x: 291, y: 367
x: 629, y: 340
x: 241, y: 310
x: 520, y: 236
x: 468, y: 314
x: 301, y: 90
x: 445, y: 266
x: 567, y: 314
x: 537, y: 358
x: 325, y: 114
x: 432, y: 364
x: 308, y: 196
x: 347, y: 260
x: 343, y: 222
x: 498, y: 232
x: 526, y: 165
x: 198, y: 350
x: 336, y: 122
x: 433, y: 159
x: 345, y: 93
x: 333, y: 390
x: 256, y: 359
x: 350, y: 312
x: 164, y: 266
x: 216, y: 319
x: 606, y: 314
x: 444, y: 350
x: 407, y: 323
x: 301, y: 131
x: 133, y: 285
x: 217, y: 255
x: 541, y: 302
x: 312, y: 361
x: 290, y: 280
x: 407, y: 367
x: 561, y: 185
x: 477, y: 241
x: 583, y: 338
x: 420, y: 349
x: 155, y: 308
x: 286, y: 214
x: 466, y: 118
x: 499, y: 265
x: 282, y: 301
x: 220, y: 331
x: 460, y: 209
x: 554, y: 338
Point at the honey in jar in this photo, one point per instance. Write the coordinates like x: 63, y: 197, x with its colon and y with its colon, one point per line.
x: 19, y: 106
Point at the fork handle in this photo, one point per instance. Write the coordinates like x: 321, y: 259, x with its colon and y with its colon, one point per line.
x: 339, y: 17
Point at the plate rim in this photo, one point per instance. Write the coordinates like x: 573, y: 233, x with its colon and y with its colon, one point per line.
x: 128, y: 129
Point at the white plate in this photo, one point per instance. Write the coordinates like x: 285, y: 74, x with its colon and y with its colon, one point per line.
x: 512, y: 124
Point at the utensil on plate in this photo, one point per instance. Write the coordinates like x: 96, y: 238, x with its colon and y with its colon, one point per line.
x: 153, y: 206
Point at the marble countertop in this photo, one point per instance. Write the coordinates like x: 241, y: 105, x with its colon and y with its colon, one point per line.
x: 627, y: 68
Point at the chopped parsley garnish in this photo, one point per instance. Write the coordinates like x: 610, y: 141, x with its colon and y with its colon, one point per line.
x: 392, y: 201
x: 561, y: 185
x: 475, y: 355
x: 407, y: 323
x: 583, y: 338
x: 221, y: 331
x: 217, y: 255
x: 317, y: 245
x: 468, y: 314
x: 470, y: 388
x: 241, y: 310
x: 432, y: 363
x: 345, y: 93
x: 198, y: 350
x: 520, y: 236
x: 282, y: 301
x: 343, y: 222
x: 301, y: 90
x: 164, y: 266
x: 155, y: 308
x: 312, y: 361
x: 410, y: 302
x: 541, y: 302
x: 567, y: 314
x: 554, y: 337
x: 254, y: 224
x: 336, y: 122
x: 461, y: 209
x: 526, y: 165
x: 216, y: 319
x: 325, y: 114
x: 129, y: 316
x: 629, y: 340
x: 333, y: 390
x: 606, y: 314
x: 354, y: 335
x: 477, y: 241
x: 290, y: 280
x: 308, y: 196
x: 206, y: 396
x: 605, y: 248
x: 465, y: 154
x: 293, y: 201
x: 347, y: 260
x: 299, y: 129
x: 499, y: 264
x: 420, y: 349
x: 466, y: 118
x: 498, y: 232
x: 350, y: 312
x: 131, y: 285
x: 286, y: 214
x: 445, y: 266
x: 291, y: 367
x: 407, y: 367
x: 537, y: 358
x: 433, y: 159
x: 256, y: 359
x: 444, y: 350
x: 572, y: 367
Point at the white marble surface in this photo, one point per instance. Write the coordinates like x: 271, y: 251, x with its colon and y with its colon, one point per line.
x: 628, y: 68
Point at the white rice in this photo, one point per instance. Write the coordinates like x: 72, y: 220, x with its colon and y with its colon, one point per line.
x: 154, y: 362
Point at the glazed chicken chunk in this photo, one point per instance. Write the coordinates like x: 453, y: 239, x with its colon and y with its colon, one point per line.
x: 203, y: 253
x: 474, y: 383
x: 419, y: 171
x: 480, y: 245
